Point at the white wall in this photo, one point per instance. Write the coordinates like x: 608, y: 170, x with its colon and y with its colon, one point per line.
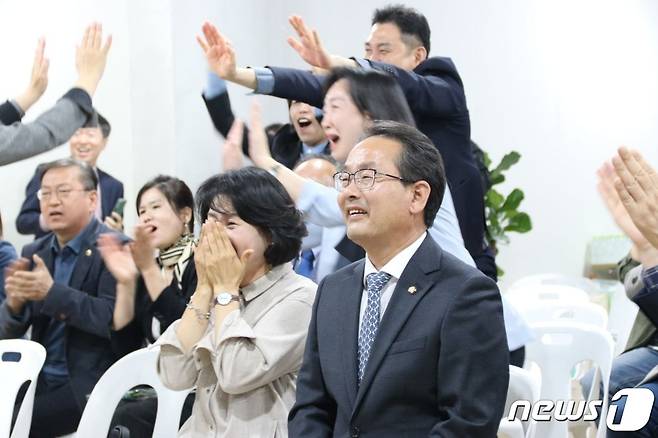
x: 562, y: 82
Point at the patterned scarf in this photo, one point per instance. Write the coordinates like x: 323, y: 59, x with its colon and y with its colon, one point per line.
x: 178, y: 255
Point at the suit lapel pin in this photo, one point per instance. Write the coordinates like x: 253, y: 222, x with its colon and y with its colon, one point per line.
x: 88, y: 252
x: 412, y: 290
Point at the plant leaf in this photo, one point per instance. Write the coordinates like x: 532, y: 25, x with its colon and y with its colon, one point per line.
x: 494, y: 200
x: 510, y: 159
x: 519, y: 223
x: 513, y: 200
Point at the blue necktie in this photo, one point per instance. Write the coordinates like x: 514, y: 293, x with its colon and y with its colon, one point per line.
x: 305, y: 264
x: 375, y: 282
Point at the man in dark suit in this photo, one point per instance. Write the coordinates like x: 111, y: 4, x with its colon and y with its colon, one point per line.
x: 86, y: 145
x: 399, y: 43
x: 63, y: 290
x: 409, y: 341
x: 289, y: 143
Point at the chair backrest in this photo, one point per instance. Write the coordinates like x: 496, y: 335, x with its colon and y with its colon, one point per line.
x: 586, y: 313
x: 548, y: 279
x: 524, y: 384
x: 20, y: 362
x: 543, y: 294
x: 136, y: 368
x: 557, y: 347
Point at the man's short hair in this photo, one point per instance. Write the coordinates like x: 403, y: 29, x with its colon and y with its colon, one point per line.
x: 98, y: 121
x: 86, y: 173
x: 419, y: 160
x: 412, y: 24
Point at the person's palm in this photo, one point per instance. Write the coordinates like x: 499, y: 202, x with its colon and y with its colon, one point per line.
x: 309, y: 46
x: 617, y: 210
x: 117, y: 258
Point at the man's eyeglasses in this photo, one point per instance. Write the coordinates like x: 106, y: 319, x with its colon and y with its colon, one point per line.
x: 363, y: 178
x: 60, y: 193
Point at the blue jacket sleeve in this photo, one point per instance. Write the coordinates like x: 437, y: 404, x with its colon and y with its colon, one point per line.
x: 27, y: 221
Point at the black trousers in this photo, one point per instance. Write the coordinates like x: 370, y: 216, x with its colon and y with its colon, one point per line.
x: 56, y: 411
x: 138, y: 416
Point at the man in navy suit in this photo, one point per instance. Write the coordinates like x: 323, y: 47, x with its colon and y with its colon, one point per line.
x: 62, y: 289
x: 86, y: 145
x: 409, y: 341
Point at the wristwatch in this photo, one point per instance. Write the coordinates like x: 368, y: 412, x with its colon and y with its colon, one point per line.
x: 225, y: 298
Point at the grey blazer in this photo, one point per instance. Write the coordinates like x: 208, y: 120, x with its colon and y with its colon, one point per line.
x: 52, y: 128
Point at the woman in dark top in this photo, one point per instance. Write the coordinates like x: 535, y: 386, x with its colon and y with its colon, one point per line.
x: 151, y: 292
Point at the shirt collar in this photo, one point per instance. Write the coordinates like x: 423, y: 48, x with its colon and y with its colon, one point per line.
x: 317, y: 149
x: 397, y: 264
x: 265, y: 282
x: 76, y: 243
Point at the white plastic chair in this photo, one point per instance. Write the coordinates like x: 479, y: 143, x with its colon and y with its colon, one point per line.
x: 524, y: 384
x: 136, y: 368
x: 583, y: 312
x: 543, y: 294
x: 556, y: 348
x: 547, y: 279
x: 20, y: 362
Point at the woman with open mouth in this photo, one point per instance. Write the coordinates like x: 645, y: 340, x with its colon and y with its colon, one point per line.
x: 151, y: 291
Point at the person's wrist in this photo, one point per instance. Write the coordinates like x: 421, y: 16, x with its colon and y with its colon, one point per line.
x: 87, y: 83
x: 649, y: 259
x: 15, y: 306
x: 25, y: 100
x: 204, y: 292
x: 148, y: 266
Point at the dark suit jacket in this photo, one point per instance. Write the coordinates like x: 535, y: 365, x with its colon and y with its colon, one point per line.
x: 438, y: 367
x: 436, y: 97
x: 85, y: 306
x: 27, y: 221
x: 9, y: 114
x: 285, y: 146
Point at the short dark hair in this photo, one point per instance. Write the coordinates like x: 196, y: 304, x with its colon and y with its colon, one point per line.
x: 259, y: 199
x: 87, y: 176
x: 98, y: 121
x: 375, y: 94
x: 308, y: 157
x: 177, y: 193
x: 410, y: 22
x: 419, y: 160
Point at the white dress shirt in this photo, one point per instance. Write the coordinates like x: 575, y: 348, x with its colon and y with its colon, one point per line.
x: 395, y: 267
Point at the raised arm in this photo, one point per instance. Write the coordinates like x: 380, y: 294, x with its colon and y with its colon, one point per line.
x: 55, y: 126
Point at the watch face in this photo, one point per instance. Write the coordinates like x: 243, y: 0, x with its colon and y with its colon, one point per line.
x: 224, y: 298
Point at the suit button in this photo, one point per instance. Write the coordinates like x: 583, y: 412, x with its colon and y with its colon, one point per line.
x: 354, y: 432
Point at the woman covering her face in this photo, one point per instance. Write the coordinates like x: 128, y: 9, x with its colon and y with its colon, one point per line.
x: 241, y: 339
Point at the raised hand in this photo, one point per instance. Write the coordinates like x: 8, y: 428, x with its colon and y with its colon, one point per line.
x: 637, y: 186
x: 38, y: 78
x: 31, y: 285
x: 232, y: 148
x: 224, y: 268
x: 219, y: 52
x: 259, y: 149
x: 117, y: 258
x: 142, y: 248
x: 91, y: 57
x: 308, y: 46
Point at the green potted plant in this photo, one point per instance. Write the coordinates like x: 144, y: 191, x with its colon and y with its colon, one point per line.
x: 502, y: 211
